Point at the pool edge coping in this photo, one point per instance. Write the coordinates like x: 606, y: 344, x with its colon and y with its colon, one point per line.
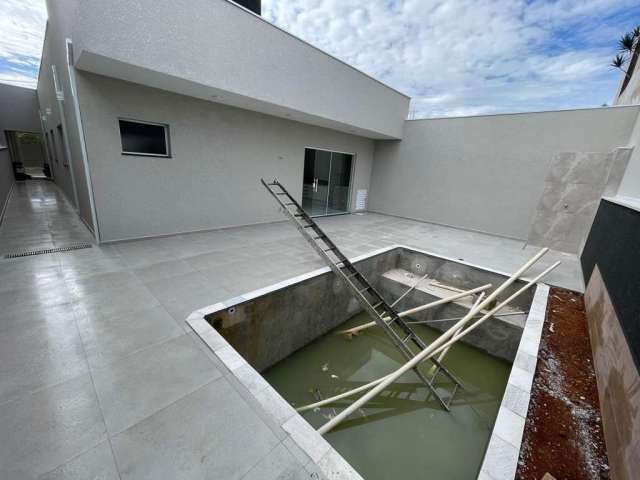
x: 503, y: 449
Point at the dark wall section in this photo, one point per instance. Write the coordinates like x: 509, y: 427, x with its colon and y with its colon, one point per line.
x: 614, y: 245
x: 253, y: 5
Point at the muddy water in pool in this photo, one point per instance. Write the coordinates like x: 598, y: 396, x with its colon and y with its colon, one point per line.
x: 403, y: 433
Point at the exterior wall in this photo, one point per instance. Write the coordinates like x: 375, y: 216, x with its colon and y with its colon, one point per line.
x: 609, y: 262
x: 6, y: 179
x: 19, y: 112
x: 61, y: 14
x: 219, y: 154
x: 203, y: 48
x: 573, y: 188
x: 486, y: 173
x: 630, y: 186
x: 631, y: 93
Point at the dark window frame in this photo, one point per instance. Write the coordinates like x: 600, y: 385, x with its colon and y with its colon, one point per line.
x: 167, y: 138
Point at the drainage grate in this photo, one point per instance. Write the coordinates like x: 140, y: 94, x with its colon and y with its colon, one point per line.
x: 48, y: 250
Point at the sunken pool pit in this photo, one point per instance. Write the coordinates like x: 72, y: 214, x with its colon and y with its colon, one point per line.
x: 291, y: 334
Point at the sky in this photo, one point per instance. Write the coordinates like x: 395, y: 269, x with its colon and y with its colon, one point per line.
x: 453, y: 57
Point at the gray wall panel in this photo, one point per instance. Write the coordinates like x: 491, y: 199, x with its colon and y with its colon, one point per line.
x: 186, y: 45
x: 486, y: 173
x: 219, y: 154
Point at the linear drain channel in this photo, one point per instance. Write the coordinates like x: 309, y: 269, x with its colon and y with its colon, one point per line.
x: 48, y: 250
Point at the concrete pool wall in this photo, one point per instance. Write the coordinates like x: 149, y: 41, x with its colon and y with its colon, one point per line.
x: 267, y: 325
x: 501, y: 457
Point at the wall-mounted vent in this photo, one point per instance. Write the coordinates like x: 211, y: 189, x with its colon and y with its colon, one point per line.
x: 30, y: 253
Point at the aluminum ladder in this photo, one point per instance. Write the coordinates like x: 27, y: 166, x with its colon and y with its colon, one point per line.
x: 371, y: 301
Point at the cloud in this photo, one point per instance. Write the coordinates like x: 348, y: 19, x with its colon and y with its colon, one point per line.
x: 454, y: 57
x: 460, y: 57
x: 22, y: 24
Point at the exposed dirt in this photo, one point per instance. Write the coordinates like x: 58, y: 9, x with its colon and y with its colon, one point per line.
x: 563, y: 433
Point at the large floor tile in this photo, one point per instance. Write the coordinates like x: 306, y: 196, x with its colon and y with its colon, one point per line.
x: 39, y: 355
x: 163, y: 270
x: 109, y: 338
x: 96, y: 464
x: 109, y: 301
x: 212, y: 433
x: 41, y: 431
x: 182, y: 294
x: 143, y: 383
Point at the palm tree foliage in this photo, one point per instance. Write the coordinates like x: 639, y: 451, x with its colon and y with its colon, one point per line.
x: 618, y: 61
x: 629, y: 46
x: 627, y: 42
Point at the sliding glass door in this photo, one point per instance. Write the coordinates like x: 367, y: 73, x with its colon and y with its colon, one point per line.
x: 326, y: 182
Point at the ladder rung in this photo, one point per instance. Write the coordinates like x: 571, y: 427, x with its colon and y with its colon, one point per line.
x: 281, y: 193
x: 366, y: 289
x: 329, y: 249
x: 321, y: 237
x: 289, y: 203
x: 309, y: 226
x: 409, y: 335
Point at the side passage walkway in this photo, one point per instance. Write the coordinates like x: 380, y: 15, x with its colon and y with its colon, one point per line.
x: 99, y: 375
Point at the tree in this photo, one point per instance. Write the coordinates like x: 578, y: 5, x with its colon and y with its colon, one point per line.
x: 629, y: 46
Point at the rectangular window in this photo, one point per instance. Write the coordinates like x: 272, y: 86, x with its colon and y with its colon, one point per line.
x: 141, y: 138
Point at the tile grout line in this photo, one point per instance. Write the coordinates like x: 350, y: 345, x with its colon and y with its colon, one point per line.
x: 95, y: 392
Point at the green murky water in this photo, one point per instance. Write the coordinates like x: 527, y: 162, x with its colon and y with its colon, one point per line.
x: 401, y: 434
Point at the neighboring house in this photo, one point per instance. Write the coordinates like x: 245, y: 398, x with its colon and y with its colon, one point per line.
x: 169, y: 113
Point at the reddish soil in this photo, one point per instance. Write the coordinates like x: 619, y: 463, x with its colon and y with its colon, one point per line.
x: 563, y: 433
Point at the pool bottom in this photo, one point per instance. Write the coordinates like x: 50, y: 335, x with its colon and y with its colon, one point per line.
x: 404, y: 432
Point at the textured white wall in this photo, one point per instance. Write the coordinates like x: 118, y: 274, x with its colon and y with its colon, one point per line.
x: 179, y: 45
x: 219, y: 154
x: 486, y: 173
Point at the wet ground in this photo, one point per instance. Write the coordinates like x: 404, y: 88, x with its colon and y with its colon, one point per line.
x: 401, y: 433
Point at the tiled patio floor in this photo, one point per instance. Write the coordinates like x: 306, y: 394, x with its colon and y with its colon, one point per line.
x: 99, y: 375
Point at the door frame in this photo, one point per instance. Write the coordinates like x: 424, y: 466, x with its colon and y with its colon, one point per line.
x: 354, y: 158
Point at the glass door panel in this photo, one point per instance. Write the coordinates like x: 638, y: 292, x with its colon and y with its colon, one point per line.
x: 315, y: 185
x: 339, y: 183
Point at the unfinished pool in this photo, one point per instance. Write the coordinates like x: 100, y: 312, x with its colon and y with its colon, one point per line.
x: 291, y: 335
x: 404, y: 433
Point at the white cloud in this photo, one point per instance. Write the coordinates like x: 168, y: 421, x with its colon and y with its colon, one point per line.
x: 22, y: 26
x: 470, y: 56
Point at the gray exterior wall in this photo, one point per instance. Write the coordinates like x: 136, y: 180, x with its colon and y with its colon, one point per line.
x: 219, y: 154
x: 203, y: 48
x: 61, y: 14
x: 19, y: 112
x: 6, y: 179
x: 630, y: 186
x: 486, y: 173
x: 631, y: 93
